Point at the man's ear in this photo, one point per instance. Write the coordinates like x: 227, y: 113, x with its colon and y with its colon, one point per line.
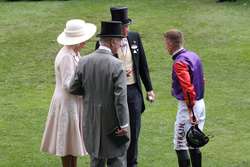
x: 171, y: 44
x: 112, y: 42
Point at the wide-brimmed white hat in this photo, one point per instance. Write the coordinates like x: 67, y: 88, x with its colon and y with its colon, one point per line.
x: 76, y: 31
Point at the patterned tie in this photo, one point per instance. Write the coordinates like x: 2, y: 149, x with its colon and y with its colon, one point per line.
x: 124, y: 46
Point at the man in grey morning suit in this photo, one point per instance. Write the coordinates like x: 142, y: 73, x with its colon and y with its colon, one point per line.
x: 132, y: 53
x: 101, y: 79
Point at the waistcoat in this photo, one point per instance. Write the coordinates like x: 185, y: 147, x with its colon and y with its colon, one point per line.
x: 128, y: 60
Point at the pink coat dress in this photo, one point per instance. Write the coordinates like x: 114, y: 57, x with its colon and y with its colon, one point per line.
x: 63, y: 130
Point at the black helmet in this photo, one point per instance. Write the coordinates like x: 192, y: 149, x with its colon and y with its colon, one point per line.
x: 196, y: 138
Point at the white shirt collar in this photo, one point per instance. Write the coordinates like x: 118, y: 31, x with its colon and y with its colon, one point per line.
x: 105, y: 48
x: 178, y: 51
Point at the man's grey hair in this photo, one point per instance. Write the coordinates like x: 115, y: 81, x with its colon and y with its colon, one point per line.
x: 106, y: 40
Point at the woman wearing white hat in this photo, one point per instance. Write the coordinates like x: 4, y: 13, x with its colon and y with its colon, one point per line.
x: 63, y: 130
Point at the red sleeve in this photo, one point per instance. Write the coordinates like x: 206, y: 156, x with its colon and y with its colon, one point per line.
x: 182, y: 72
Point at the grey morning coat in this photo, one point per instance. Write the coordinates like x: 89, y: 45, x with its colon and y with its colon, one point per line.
x: 101, y: 79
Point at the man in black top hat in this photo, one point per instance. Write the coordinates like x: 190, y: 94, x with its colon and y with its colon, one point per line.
x: 101, y: 79
x: 132, y: 53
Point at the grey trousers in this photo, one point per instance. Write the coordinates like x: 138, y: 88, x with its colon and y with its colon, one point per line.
x: 120, y: 161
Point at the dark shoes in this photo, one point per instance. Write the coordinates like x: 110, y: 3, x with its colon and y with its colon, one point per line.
x: 226, y: 0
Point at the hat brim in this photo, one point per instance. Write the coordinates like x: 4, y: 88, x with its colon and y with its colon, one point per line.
x: 128, y: 23
x: 100, y: 35
x: 66, y: 40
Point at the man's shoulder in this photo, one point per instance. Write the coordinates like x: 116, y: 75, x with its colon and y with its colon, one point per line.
x: 133, y: 37
x: 187, y: 57
x: 87, y: 57
x: 189, y: 54
x: 132, y: 33
x: 103, y: 54
x: 98, y: 52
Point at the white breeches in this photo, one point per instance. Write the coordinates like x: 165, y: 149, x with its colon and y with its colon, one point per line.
x: 183, y: 124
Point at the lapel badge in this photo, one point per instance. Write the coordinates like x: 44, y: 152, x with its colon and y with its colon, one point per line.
x: 134, y: 47
x: 135, y: 51
x: 134, y: 41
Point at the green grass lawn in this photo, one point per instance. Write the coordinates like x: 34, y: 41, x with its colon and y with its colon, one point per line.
x: 217, y: 32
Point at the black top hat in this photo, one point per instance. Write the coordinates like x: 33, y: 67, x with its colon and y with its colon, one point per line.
x: 120, y: 13
x: 111, y: 29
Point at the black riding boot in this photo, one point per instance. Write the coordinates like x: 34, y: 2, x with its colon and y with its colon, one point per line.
x: 196, y: 157
x: 183, y: 158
